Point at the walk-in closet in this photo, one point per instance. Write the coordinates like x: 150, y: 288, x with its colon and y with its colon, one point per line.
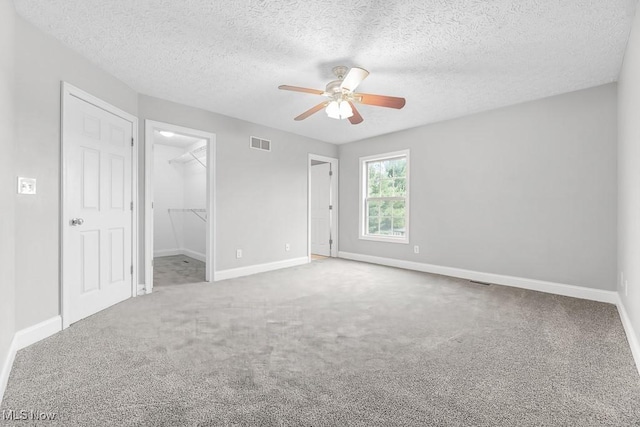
x: 179, y: 211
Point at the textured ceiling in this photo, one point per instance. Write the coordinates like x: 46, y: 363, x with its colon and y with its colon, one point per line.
x: 448, y: 58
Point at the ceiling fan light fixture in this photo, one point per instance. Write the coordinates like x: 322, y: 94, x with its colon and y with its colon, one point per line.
x: 339, y: 110
x: 345, y: 110
x: 333, y: 110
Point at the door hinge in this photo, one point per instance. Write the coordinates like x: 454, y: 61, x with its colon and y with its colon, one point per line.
x: 330, y: 242
x: 330, y: 207
x: 131, y: 205
x: 330, y: 173
x: 132, y: 269
x: 132, y: 141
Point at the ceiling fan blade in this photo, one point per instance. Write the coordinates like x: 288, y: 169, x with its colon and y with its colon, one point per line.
x: 380, y: 100
x: 356, y: 118
x: 354, y: 77
x: 301, y: 89
x: 311, y: 111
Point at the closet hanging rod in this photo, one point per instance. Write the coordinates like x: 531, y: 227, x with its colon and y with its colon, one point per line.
x: 195, y: 154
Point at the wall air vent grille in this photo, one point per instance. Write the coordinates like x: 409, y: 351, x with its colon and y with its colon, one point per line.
x: 260, y: 144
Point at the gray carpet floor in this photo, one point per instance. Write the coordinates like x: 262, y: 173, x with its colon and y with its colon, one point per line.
x: 177, y: 270
x: 335, y: 343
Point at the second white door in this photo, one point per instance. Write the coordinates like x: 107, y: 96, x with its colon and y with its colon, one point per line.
x: 320, y: 209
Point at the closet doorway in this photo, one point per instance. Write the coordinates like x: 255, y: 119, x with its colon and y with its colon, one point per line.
x: 179, y: 214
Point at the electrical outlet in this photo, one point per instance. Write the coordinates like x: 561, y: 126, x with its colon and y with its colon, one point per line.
x: 621, y: 280
x: 238, y: 253
x: 287, y: 247
x: 416, y: 249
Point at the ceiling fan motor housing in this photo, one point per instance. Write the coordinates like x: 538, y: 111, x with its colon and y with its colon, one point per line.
x: 340, y: 71
x: 333, y: 87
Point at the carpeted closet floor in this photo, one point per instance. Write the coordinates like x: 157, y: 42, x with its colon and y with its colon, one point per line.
x: 177, y: 270
x: 337, y: 343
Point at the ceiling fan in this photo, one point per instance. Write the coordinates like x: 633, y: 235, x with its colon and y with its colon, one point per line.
x: 342, y: 97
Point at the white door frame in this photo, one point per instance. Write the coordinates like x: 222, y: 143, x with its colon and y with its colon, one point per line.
x: 334, y: 198
x: 67, y: 91
x: 150, y: 127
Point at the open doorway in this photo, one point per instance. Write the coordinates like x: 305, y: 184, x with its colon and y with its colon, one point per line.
x: 179, y: 196
x: 323, y: 207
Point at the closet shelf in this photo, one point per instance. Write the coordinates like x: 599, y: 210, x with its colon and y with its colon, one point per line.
x: 196, y: 212
x: 195, y: 154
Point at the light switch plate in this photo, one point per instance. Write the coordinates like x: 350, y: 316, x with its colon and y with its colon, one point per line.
x: 26, y: 185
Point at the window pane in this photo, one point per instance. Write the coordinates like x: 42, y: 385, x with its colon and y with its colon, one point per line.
x: 374, y: 187
x: 375, y: 169
x: 386, y: 169
x: 390, y: 168
x: 395, y: 167
x: 373, y: 208
x: 398, y: 209
x: 373, y: 225
x: 386, y: 209
x: 398, y: 226
x: 400, y: 185
x: 386, y: 188
x: 385, y: 226
x: 400, y: 167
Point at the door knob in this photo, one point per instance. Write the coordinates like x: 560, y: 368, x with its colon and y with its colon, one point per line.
x: 77, y: 221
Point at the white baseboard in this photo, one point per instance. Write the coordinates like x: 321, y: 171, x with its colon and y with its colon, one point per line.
x: 193, y: 254
x: 24, y: 338
x: 141, y: 290
x: 179, y: 251
x: 166, y: 252
x: 32, y: 334
x: 6, y: 368
x: 599, y: 295
x: 259, y: 268
x: 632, y: 337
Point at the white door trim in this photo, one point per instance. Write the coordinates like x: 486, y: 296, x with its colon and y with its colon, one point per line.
x: 67, y: 90
x: 334, y: 198
x: 150, y: 127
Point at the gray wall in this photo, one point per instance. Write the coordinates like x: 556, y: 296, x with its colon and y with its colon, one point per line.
x: 41, y: 63
x: 629, y: 176
x: 261, y: 196
x: 7, y: 179
x: 527, y: 191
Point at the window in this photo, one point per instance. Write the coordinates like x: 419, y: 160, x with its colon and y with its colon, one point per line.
x: 384, y: 201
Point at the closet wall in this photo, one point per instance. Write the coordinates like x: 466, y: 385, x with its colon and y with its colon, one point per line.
x: 179, y: 186
x: 194, y: 196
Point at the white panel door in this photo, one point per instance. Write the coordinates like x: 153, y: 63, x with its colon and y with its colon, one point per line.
x: 98, y: 231
x: 320, y: 213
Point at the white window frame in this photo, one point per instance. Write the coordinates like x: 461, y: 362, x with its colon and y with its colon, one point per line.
x: 363, y: 196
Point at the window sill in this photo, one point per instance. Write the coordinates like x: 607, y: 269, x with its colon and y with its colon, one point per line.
x: 403, y: 240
